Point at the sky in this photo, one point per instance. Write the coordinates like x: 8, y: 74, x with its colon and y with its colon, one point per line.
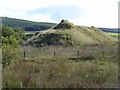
x: 98, y: 13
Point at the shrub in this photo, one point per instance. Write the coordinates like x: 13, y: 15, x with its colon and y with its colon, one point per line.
x: 11, y: 39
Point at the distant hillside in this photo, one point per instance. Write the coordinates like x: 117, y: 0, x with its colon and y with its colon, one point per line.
x: 113, y: 30
x: 27, y: 25
x: 66, y: 33
x: 37, y: 26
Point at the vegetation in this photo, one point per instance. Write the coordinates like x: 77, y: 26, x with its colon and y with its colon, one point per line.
x: 66, y: 34
x: 41, y: 70
x: 115, y: 35
x: 64, y: 24
x: 11, y: 39
x: 65, y: 56
x: 37, y: 26
x: 27, y: 25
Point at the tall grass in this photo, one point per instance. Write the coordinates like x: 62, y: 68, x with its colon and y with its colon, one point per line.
x: 93, y: 69
x: 85, y: 52
x: 60, y: 74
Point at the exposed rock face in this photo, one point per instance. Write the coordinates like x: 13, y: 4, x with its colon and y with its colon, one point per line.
x: 64, y: 24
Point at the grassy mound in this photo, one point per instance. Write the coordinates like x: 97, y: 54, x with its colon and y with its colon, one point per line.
x: 66, y: 33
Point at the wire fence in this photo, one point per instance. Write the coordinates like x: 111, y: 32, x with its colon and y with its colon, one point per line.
x: 86, y: 53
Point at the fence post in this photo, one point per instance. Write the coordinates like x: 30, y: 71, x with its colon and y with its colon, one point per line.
x: 78, y: 54
x: 24, y: 54
x: 54, y: 54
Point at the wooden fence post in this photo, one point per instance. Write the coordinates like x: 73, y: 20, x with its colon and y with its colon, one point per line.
x: 24, y: 54
x: 54, y: 54
x: 78, y: 54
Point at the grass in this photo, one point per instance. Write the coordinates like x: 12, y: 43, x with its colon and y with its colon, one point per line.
x: 66, y: 33
x: 67, y: 56
x: 41, y: 70
x: 115, y: 35
x: 0, y: 55
x: 48, y: 51
x: 80, y: 36
x: 64, y: 24
x: 112, y: 33
x: 26, y: 33
x: 60, y: 74
x: 30, y: 32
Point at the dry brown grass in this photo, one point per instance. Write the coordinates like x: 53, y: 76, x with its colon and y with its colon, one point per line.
x: 41, y: 70
x: 60, y: 74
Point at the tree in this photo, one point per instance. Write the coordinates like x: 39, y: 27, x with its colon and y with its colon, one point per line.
x: 11, y: 39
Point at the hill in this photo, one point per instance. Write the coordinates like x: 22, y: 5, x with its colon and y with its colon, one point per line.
x: 37, y: 26
x: 113, y: 30
x: 66, y: 33
x: 25, y: 24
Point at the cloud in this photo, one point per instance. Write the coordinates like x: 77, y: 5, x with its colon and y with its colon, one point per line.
x: 61, y: 12
x: 101, y: 13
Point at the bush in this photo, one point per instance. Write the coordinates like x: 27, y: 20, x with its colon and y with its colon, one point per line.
x: 11, y: 39
x: 8, y: 54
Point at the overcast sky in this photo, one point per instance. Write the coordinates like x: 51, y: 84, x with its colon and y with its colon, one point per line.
x: 98, y: 13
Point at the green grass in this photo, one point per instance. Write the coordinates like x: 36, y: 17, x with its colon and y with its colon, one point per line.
x: 115, y: 35
x: 66, y: 33
x: 112, y: 33
x: 74, y: 36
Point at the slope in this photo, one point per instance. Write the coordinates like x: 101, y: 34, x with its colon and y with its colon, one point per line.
x: 27, y: 25
x: 66, y: 33
x: 37, y: 26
